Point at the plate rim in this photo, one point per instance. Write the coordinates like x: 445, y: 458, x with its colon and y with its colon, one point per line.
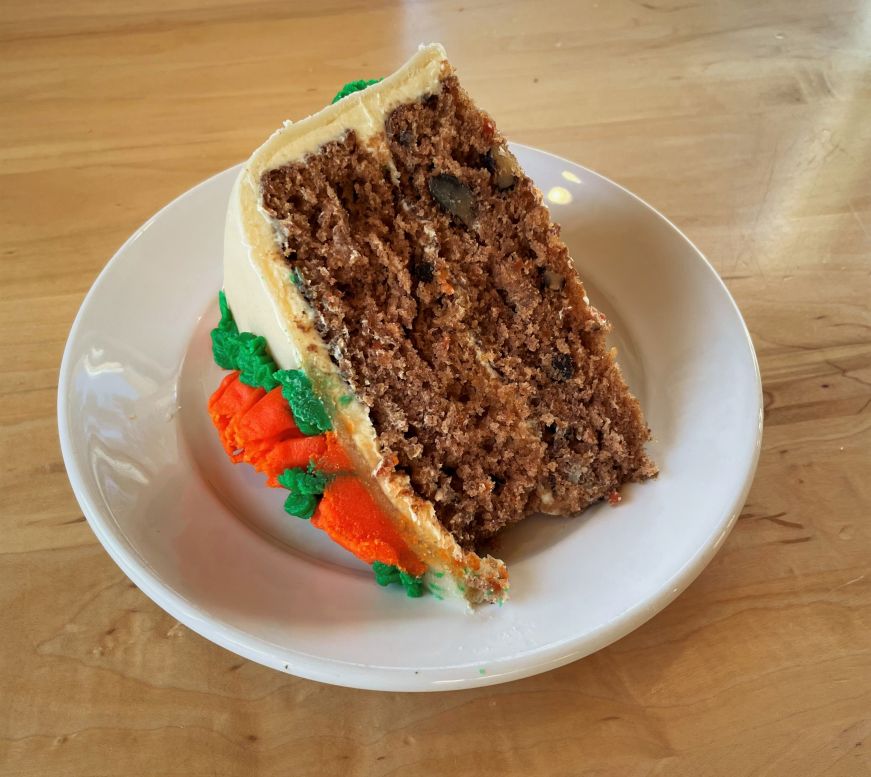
x: 362, y: 675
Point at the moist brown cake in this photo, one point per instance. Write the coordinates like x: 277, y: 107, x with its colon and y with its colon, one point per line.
x: 451, y: 307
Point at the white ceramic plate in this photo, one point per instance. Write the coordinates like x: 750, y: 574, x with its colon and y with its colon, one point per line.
x: 208, y: 542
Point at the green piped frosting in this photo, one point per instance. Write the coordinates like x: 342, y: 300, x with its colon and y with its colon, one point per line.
x: 248, y: 353
x: 305, y: 488
x: 308, y: 411
x: 243, y: 351
x: 385, y: 574
x: 354, y: 86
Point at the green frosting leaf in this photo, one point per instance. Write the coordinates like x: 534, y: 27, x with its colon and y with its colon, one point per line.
x: 224, y: 337
x: 413, y: 585
x: 254, y: 362
x: 354, y: 86
x: 301, y: 505
x: 248, y: 353
x: 304, y: 481
x: 243, y: 351
x: 305, y: 488
x: 308, y: 411
x: 385, y: 574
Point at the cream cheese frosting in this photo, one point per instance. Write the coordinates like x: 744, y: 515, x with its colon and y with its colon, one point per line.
x: 265, y: 301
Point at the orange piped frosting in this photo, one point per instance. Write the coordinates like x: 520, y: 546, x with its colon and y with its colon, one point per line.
x: 258, y: 427
x: 231, y: 401
x: 352, y: 518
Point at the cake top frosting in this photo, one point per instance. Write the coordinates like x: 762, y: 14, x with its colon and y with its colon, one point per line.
x: 362, y: 111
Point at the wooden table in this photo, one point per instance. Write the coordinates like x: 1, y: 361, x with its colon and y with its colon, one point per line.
x: 748, y: 123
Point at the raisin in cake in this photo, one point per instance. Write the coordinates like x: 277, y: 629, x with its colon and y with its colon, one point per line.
x: 415, y: 359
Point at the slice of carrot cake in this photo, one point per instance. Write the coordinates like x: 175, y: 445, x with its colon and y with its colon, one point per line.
x: 415, y: 359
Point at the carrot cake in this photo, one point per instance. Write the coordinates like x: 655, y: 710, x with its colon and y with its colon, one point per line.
x: 413, y: 356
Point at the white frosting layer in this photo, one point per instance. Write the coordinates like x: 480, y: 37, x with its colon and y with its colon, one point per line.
x: 250, y: 235
x: 364, y: 112
x: 265, y: 301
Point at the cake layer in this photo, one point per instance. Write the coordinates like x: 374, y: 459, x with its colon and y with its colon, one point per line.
x: 266, y: 302
x: 391, y: 248
x: 451, y: 307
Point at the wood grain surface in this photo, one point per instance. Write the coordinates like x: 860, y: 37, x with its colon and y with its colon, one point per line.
x: 748, y: 123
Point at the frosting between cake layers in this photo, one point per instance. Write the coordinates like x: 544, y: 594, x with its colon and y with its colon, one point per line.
x: 265, y: 301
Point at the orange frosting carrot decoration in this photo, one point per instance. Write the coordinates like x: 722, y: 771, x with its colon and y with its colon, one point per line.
x: 269, y: 419
x: 225, y: 384
x: 351, y: 517
x: 274, y: 458
x: 334, y: 459
x: 259, y: 428
x: 233, y: 398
